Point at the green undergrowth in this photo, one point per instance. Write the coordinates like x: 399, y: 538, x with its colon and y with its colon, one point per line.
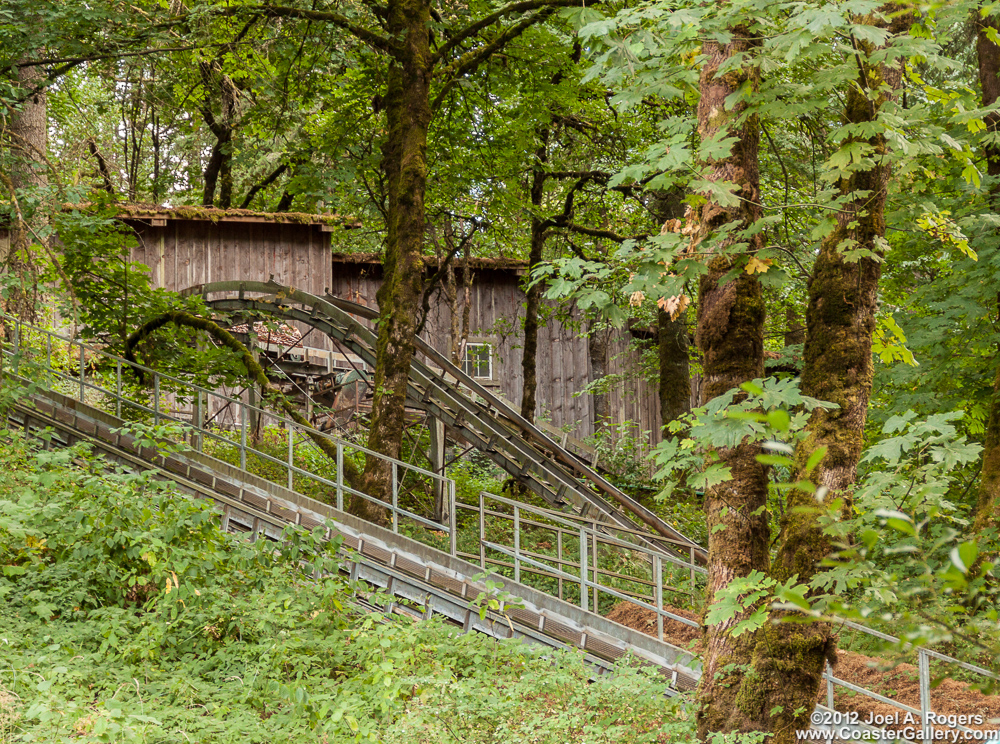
x: 127, y: 616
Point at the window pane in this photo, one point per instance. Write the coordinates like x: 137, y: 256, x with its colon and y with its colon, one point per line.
x: 477, y: 362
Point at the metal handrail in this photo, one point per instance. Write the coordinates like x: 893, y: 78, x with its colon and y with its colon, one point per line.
x: 245, y: 409
x: 923, y: 671
x: 589, y: 541
x: 586, y: 533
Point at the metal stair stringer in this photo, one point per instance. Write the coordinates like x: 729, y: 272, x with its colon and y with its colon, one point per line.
x: 415, y: 574
x: 511, y: 441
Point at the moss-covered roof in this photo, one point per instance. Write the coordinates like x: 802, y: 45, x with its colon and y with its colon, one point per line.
x: 212, y: 214
x: 477, y: 262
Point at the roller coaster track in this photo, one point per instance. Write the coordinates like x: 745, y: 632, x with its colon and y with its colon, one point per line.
x: 469, y: 409
x: 419, y: 580
x: 422, y: 581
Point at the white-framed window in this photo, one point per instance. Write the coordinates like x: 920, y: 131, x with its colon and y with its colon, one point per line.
x: 478, y: 360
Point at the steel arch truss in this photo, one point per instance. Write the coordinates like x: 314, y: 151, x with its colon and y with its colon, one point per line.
x: 478, y: 417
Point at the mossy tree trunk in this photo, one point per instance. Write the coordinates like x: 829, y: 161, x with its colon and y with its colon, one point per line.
x: 674, y: 366
x: 674, y: 361
x: 789, y: 658
x: 795, y: 331
x: 219, y: 170
x: 404, y: 161
x: 988, y: 506
x: 533, y: 300
x: 402, y: 33
x: 598, y: 336
x: 28, y: 144
x: 730, y: 335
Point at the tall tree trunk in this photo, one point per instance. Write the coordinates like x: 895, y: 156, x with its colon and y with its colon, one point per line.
x: 218, y: 170
x: 789, y: 657
x: 28, y: 141
x: 404, y: 160
x: 674, y: 366
x: 671, y: 333
x: 795, y: 331
x: 988, y: 505
x: 730, y: 334
x: 597, y: 346
x: 529, y: 358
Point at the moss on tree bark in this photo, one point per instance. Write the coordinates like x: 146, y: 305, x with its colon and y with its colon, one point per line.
x: 789, y: 658
x: 988, y: 502
x: 730, y: 335
x: 404, y: 162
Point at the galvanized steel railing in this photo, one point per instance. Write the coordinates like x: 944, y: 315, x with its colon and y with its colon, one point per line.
x: 580, y: 568
x: 42, y: 348
x: 578, y: 541
x: 924, y: 655
x: 192, y: 426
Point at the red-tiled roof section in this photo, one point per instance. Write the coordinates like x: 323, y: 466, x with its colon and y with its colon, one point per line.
x: 476, y: 262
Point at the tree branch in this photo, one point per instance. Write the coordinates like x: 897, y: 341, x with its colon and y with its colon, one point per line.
x: 102, y: 166
x: 271, y: 178
x: 370, y: 38
x: 594, y: 175
x: 595, y: 233
x: 517, y: 7
x: 471, y: 60
x: 255, y: 373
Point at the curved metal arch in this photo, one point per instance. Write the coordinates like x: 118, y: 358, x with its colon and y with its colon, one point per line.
x: 493, y: 427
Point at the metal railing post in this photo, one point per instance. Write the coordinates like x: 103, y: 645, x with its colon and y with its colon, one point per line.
x: 658, y: 596
x: 517, y: 544
x: 692, y: 565
x: 559, y: 555
x: 597, y: 576
x: 199, y: 415
x: 452, y: 520
x: 924, y: 669
x: 156, y: 399
x: 288, y: 426
x: 482, y: 530
x: 83, y: 383
x: 243, y: 436
x: 118, y: 388
x: 584, y: 591
x: 340, y: 476
x: 48, y: 357
x: 395, y: 499
x: 829, y: 687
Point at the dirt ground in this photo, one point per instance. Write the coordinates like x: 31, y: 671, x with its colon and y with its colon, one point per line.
x: 898, y: 683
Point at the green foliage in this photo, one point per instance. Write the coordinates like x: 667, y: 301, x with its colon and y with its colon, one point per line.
x: 771, y: 411
x: 128, y: 617
x: 493, y: 598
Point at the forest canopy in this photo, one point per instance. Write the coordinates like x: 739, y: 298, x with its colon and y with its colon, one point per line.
x: 800, y: 198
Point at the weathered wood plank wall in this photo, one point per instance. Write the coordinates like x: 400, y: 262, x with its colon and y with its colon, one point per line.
x: 186, y: 252
x: 564, y: 366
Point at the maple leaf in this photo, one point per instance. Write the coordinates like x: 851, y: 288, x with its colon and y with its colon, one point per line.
x: 755, y: 265
x: 674, y: 306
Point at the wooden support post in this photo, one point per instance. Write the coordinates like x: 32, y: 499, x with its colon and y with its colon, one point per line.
x: 436, y: 429
x: 252, y: 401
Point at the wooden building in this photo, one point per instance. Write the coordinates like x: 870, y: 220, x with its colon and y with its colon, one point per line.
x: 185, y: 246
x: 567, y: 356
